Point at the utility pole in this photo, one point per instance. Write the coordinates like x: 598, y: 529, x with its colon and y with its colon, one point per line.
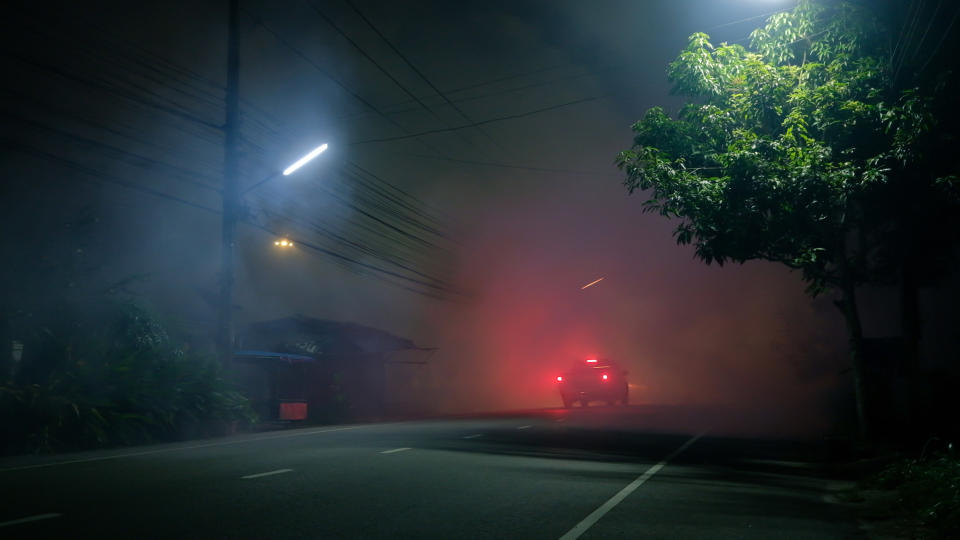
x: 231, y: 191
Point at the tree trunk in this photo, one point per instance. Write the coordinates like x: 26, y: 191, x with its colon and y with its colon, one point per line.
x: 848, y: 304
x: 911, y: 327
x: 910, y: 323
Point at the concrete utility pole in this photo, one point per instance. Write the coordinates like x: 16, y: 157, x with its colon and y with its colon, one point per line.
x: 231, y: 191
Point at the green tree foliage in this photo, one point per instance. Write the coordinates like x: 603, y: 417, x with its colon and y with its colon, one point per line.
x: 783, y: 150
x: 122, y: 382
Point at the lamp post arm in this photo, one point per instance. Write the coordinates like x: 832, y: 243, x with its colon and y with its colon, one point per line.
x: 260, y: 183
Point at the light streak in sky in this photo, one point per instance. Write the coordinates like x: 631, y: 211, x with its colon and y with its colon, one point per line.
x: 591, y: 283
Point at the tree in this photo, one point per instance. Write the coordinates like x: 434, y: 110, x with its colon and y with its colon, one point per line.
x: 781, y: 151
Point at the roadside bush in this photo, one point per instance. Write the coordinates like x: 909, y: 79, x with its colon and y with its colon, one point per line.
x: 123, y: 382
x: 928, y: 491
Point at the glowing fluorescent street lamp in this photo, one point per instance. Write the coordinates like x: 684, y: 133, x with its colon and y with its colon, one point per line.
x: 291, y: 169
x: 283, y: 242
x: 304, y: 160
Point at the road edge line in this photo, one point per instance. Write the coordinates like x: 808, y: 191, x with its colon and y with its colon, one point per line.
x: 29, y: 519
x: 268, y: 473
x: 595, y: 516
x: 177, y: 448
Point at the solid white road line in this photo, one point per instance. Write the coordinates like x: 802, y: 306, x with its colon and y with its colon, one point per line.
x: 271, y: 473
x: 474, y: 436
x: 395, y: 450
x: 164, y: 450
x: 37, y: 517
x: 524, y: 427
x: 595, y: 516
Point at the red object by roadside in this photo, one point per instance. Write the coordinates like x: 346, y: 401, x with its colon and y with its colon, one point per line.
x: 293, y: 411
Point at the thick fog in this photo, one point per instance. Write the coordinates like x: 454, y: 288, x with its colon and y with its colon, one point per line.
x: 532, y: 208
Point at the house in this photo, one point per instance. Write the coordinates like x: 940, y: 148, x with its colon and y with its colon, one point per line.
x: 306, y: 369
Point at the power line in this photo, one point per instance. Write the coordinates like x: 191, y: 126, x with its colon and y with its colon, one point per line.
x: 144, y: 161
x: 126, y: 94
x: 379, y: 220
x: 158, y: 64
x: 104, y: 177
x: 371, y: 214
x: 760, y: 16
x: 943, y: 38
x: 323, y: 71
x: 482, y: 122
x: 512, y: 166
x: 330, y: 76
x: 171, y: 75
x: 383, y: 70
x: 421, y: 75
x: 116, y: 49
x: 906, y: 32
x: 85, y: 119
x: 101, y: 177
x: 362, y: 248
x: 274, y: 131
x: 385, y: 208
x: 926, y: 31
x: 489, y: 82
x: 157, y: 106
x: 512, y: 90
x: 391, y: 186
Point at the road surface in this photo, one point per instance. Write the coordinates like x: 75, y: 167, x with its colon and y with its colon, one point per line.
x: 551, y: 474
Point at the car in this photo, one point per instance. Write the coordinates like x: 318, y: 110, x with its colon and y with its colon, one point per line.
x: 593, y: 380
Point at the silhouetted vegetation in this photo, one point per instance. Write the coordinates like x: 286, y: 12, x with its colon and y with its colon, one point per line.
x: 928, y: 493
x: 813, y: 149
x: 116, y: 381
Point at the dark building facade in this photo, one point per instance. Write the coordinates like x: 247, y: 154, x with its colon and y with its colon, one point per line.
x: 304, y: 369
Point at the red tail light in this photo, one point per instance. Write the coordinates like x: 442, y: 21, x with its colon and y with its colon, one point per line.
x: 559, y: 378
x: 605, y: 377
x: 592, y: 361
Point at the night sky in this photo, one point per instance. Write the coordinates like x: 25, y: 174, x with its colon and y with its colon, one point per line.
x: 116, y: 105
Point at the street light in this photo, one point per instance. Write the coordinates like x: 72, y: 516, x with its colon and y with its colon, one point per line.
x: 231, y: 193
x: 305, y: 159
x: 291, y: 169
x: 231, y: 209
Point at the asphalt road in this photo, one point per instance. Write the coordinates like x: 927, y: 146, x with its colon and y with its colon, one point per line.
x: 636, y: 472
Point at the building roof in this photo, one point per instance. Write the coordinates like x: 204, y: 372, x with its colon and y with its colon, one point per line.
x: 315, y: 337
x: 268, y: 356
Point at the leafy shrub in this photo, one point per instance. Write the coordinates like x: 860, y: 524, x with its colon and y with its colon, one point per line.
x: 928, y: 491
x: 124, y: 383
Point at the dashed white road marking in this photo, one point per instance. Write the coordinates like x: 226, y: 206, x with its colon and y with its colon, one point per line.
x: 395, y: 450
x: 524, y: 427
x: 595, y: 516
x: 178, y: 448
x: 474, y: 436
x: 37, y: 517
x: 271, y: 473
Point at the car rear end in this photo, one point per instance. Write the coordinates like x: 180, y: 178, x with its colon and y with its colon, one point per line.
x: 593, y: 380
